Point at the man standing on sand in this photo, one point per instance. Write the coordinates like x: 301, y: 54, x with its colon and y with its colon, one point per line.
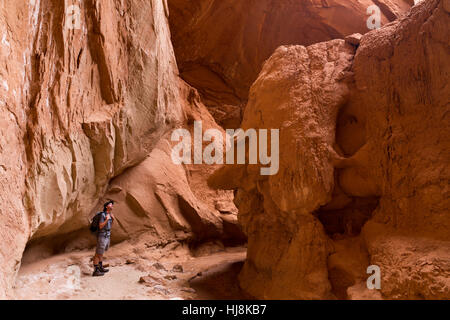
x: 103, y: 238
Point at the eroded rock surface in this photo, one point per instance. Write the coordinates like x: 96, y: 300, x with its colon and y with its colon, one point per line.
x: 86, y: 115
x: 79, y: 107
x: 221, y: 45
x: 361, y: 140
x: 300, y: 91
x: 407, y: 150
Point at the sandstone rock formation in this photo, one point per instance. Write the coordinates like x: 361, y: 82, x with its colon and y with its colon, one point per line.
x: 87, y: 111
x: 80, y: 105
x: 300, y: 90
x: 406, y: 152
x: 221, y: 45
x: 362, y: 137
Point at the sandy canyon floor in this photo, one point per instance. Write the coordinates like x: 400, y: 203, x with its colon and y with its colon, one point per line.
x: 137, y: 272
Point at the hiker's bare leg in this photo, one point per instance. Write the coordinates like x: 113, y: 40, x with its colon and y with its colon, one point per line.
x: 97, y: 258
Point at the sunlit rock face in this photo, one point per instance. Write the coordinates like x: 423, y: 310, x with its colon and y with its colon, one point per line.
x: 87, y: 111
x: 299, y: 90
x: 87, y: 93
x: 221, y: 45
x: 78, y: 107
x: 363, y: 176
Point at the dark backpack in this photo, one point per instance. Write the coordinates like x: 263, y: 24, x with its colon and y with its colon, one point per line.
x: 95, y: 222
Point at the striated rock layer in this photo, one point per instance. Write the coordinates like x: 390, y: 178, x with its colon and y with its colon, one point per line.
x: 221, y: 45
x: 364, y: 175
x: 87, y: 113
x: 79, y: 107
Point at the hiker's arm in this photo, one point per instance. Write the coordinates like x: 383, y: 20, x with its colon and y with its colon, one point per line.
x: 101, y: 225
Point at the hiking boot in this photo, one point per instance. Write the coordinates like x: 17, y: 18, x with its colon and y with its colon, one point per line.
x: 98, y: 273
x: 104, y: 270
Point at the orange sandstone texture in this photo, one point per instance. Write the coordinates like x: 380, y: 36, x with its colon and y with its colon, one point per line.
x: 364, y: 174
x: 300, y: 91
x: 86, y: 114
x: 221, y: 45
x: 407, y: 150
x: 79, y: 107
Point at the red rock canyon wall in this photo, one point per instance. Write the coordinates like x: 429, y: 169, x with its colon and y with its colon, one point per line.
x: 362, y: 138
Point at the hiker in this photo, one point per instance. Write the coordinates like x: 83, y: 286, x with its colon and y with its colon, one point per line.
x: 105, y: 221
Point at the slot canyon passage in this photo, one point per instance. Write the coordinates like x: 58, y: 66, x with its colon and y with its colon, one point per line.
x: 363, y: 115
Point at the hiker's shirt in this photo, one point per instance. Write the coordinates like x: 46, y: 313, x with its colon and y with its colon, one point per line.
x: 106, y: 231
